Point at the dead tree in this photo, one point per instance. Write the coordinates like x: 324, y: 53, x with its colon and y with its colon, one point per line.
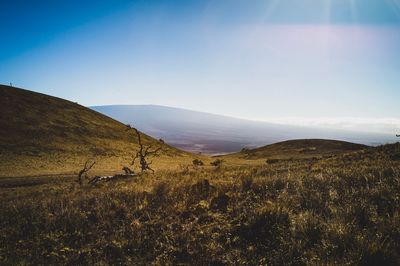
x: 83, y: 172
x: 144, y: 153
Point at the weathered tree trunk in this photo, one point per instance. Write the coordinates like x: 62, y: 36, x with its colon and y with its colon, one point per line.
x: 96, y: 179
x: 82, y: 173
x: 144, y: 153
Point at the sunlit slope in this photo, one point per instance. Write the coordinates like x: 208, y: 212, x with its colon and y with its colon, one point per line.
x: 301, y: 148
x: 41, y: 134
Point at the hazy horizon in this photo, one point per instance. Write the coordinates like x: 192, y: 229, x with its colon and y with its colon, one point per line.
x: 351, y: 124
x: 313, y: 63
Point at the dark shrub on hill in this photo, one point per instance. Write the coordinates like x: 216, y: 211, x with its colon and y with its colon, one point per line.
x: 197, y: 162
x: 217, y: 162
x: 272, y: 161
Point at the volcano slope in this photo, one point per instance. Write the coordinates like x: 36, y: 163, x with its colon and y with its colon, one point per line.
x: 45, y: 135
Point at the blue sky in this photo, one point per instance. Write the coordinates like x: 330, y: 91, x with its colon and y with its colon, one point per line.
x: 316, y: 60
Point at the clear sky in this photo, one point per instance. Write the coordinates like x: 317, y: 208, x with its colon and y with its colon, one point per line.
x: 318, y: 60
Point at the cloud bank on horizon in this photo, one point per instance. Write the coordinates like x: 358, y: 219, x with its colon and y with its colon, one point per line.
x: 354, y: 124
x: 321, y: 60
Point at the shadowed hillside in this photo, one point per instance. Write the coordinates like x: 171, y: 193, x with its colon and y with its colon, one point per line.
x: 302, y: 148
x: 41, y: 134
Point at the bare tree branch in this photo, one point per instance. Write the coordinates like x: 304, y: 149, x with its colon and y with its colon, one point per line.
x: 143, y: 153
x: 152, y: 152
x: 84, y: 171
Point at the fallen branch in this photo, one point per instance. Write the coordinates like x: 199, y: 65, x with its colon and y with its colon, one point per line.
x: 96, y: 179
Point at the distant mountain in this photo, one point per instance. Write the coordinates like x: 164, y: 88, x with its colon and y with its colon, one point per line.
x: 301, y: 148
x: 41, y: 134
x: 215, y: 134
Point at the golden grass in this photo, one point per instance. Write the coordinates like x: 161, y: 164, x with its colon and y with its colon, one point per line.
x: 342, y: 210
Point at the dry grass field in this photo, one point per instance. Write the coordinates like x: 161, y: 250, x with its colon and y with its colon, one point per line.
x: 300, y: 202
x: 341, y: 210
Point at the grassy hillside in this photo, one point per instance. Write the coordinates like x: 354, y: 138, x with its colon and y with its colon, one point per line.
x: 301, y: 148
x: 41, y: 134
x: 343, y: 210
x: 320, y: 202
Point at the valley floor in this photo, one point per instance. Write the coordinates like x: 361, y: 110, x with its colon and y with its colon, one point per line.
x: 339, y: 210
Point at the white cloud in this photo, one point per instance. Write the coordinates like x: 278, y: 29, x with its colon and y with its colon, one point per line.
x: 376, y: 125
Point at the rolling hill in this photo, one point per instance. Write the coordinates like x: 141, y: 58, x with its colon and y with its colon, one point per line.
x: 41, y: 134
x: 301, y: 148
x: 215, y: 134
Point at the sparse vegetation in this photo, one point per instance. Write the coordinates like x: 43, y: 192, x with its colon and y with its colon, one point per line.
x: 197, y: 162
x: 272, y: 161
x: 345, y: 210
x: 217, y: 162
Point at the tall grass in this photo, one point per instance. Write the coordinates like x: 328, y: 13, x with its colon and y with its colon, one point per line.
x: 341, y: 210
